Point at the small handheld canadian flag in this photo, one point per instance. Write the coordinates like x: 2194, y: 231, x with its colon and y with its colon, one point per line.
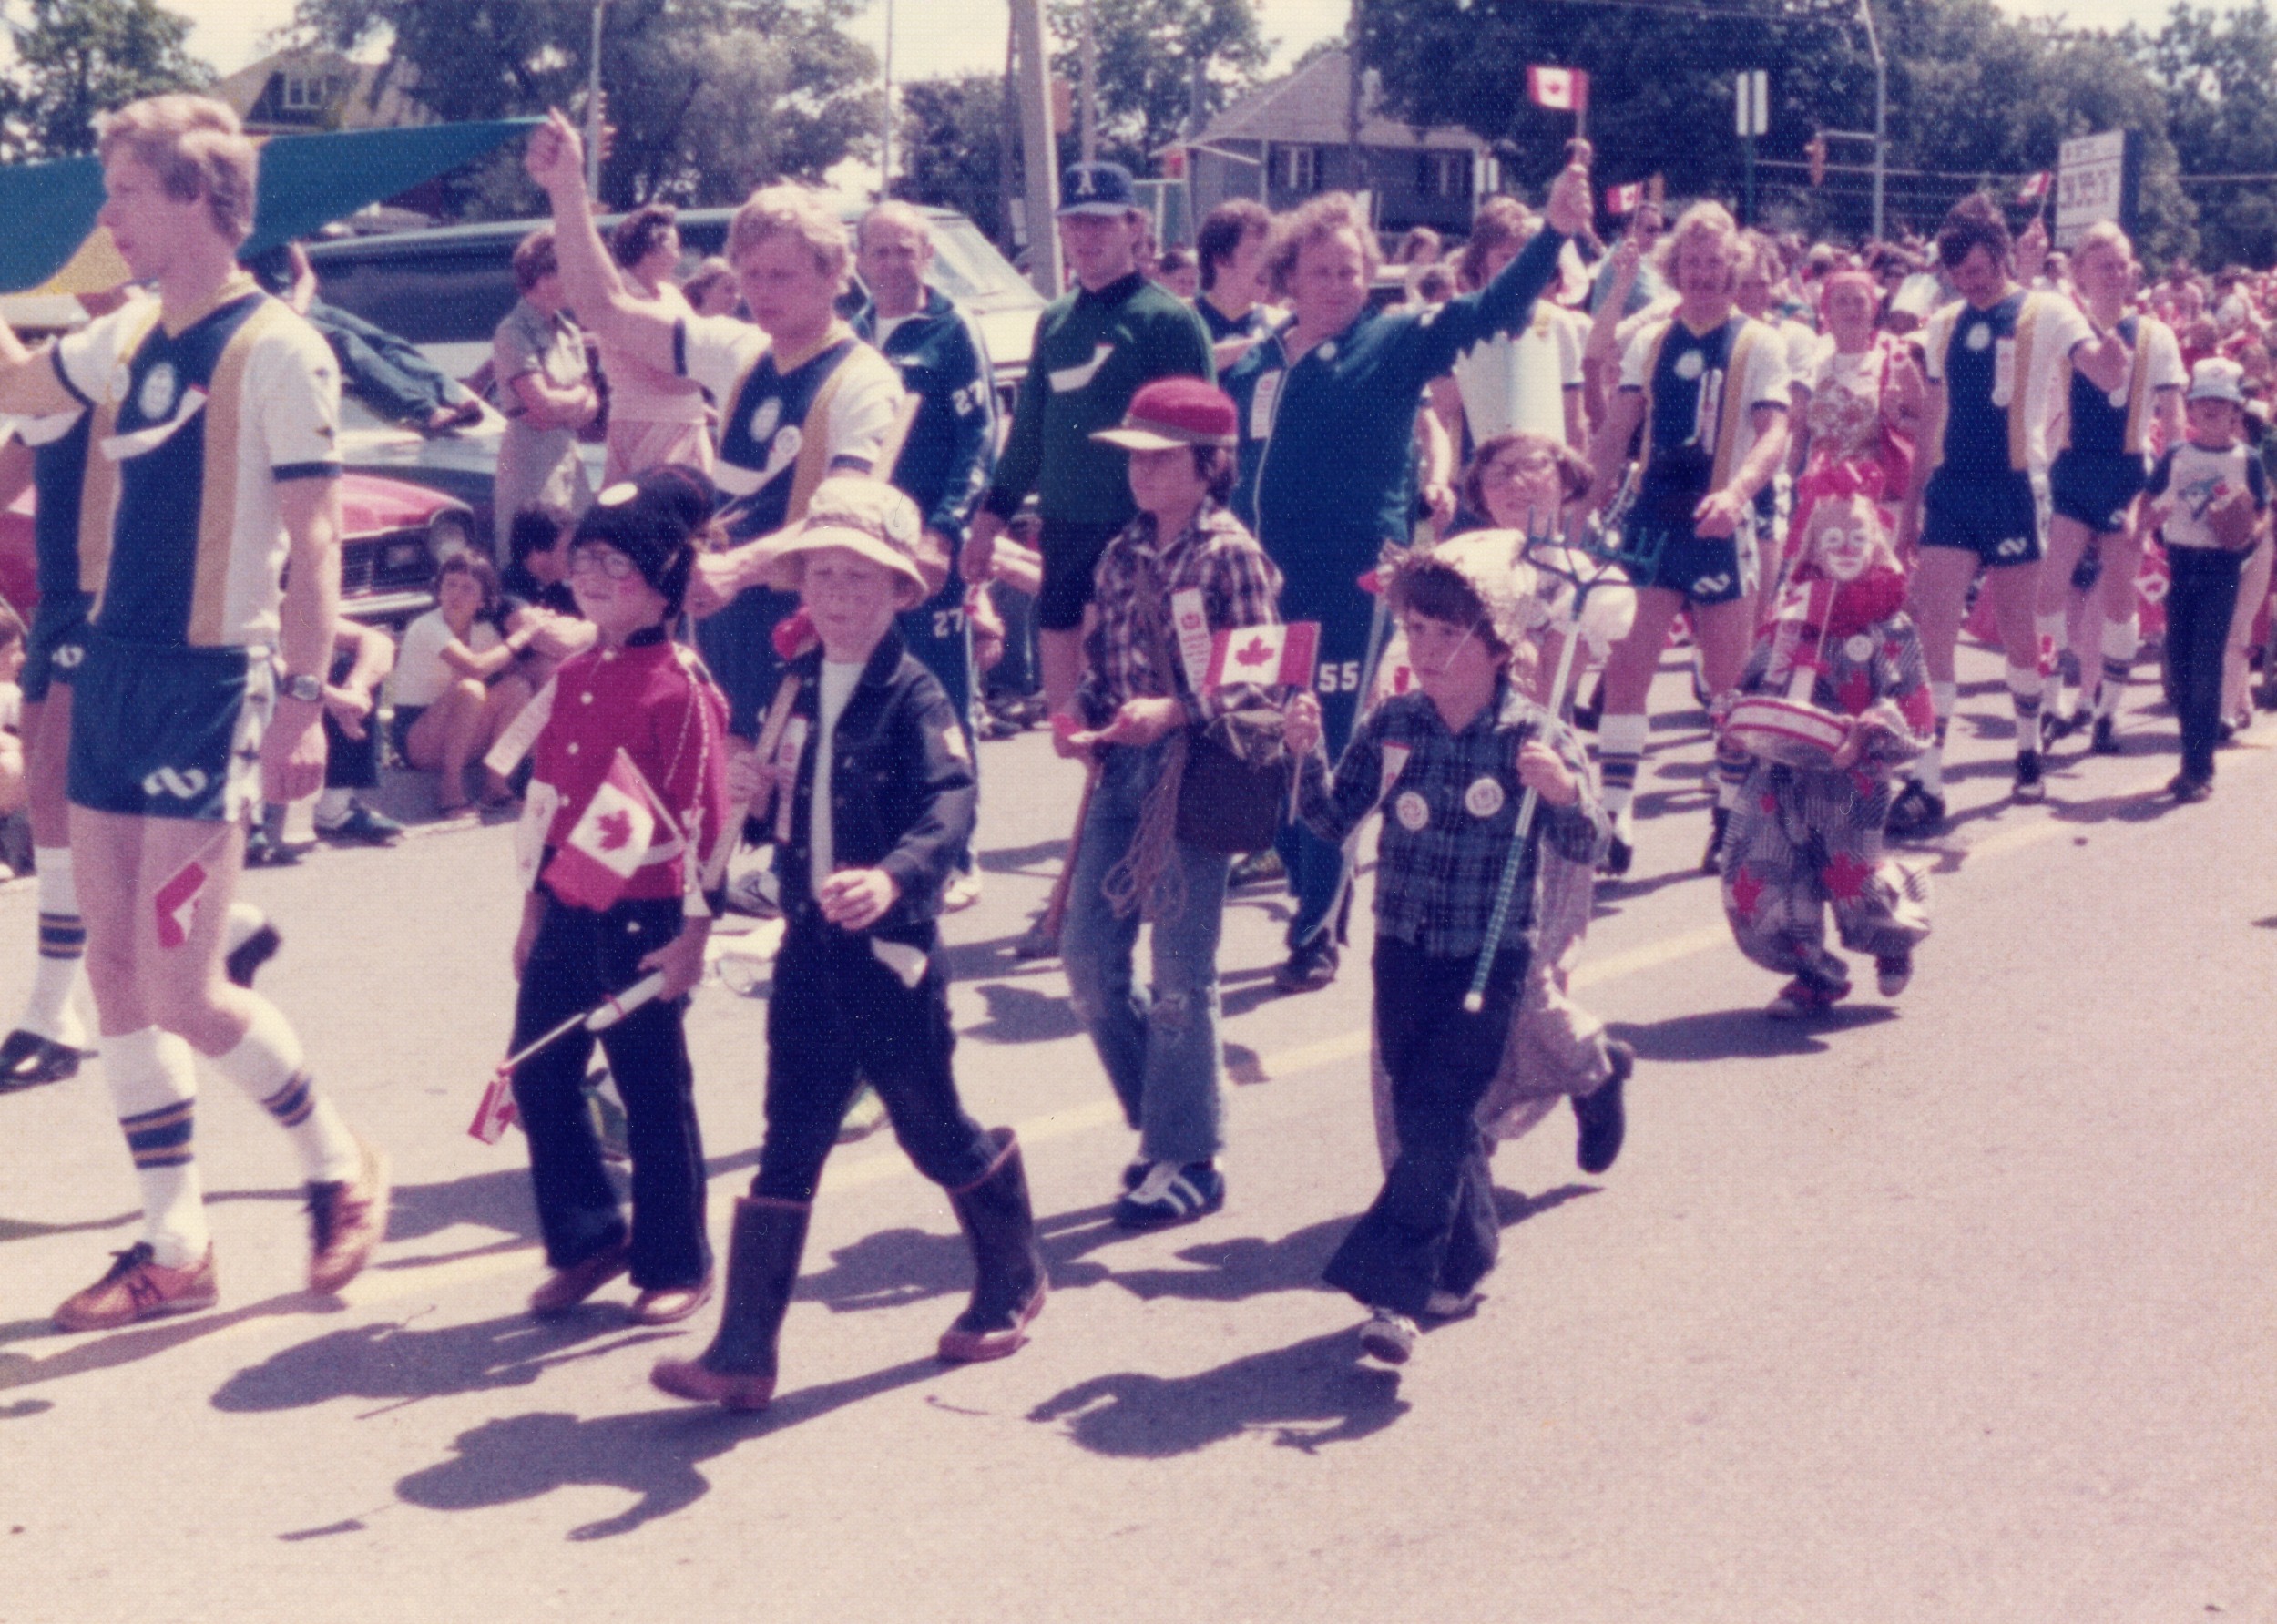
x: 1276, y: 655
x: 1561, y: 89
x: 495, y: 1115
x: 2034, y: 189
x: 1624, y: 199
x: 610, y: 840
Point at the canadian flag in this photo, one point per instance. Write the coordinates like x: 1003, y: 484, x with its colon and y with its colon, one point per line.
x: 1563, y: 89
x: 1276, y: 655
x: 176, y: 902
x: 2034, y: 190
x: 1624, y: 199
x: 610, y: 840
x: 495, y: 1114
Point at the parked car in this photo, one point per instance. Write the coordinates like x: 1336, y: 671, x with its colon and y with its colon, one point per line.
x: 393, y: 538
x: 446, y: 289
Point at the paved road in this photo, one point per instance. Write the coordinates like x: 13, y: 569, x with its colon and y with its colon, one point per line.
x: 1958, y: 1310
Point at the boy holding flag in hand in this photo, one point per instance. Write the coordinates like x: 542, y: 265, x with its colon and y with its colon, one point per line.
x: 874, y: 798
x: 628, y: 804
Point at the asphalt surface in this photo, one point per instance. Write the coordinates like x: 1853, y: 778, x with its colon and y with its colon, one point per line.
x: 1955, y: 1309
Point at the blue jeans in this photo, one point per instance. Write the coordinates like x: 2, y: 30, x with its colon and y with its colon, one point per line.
x: 1159, y: 1046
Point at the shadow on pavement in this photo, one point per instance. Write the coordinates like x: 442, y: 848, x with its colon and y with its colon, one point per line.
x: 141, y: 1342
x: 1745, y: 1034
x: 1023, y: 1014
x: 1306, y: 1395
x: 394, y: 1362
x: 653, y: 1455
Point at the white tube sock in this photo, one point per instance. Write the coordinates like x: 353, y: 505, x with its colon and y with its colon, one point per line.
x: 62, y: 951
x: 153, y: 1078
x: 267, y: 1063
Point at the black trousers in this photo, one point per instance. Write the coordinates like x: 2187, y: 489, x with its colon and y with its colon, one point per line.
x: 579, y: 958
x: 1433, y: 1226
x: 2198, y: 603
x: 840, y: 1017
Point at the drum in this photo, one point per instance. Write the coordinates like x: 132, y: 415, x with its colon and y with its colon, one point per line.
x: 1792, y: 732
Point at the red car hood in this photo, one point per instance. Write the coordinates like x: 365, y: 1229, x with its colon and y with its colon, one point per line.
x: 368, y: 505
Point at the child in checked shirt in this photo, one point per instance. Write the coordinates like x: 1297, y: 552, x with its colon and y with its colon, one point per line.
x: 1451, y: 762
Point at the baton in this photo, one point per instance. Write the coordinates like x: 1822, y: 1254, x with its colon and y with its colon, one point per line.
x: 1475, y: 1000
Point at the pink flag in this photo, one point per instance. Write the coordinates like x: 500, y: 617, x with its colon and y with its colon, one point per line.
x: 1561, y: 89
x: 1275, y: 656
x: 176, y: 902
x: 610, y: 840
x: 2034, y: 190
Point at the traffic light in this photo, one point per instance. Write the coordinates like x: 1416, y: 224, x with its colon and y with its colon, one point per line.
x: 1815, y: 150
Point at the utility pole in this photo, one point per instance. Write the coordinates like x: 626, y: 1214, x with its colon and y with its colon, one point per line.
x: 1881, y: 112
x: 885, y: 158
x: 1090, y: 111
x: 1036, y: 147
x: 593, y: 107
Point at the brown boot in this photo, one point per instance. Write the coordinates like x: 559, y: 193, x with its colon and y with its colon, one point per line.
x: 738, y: 1371
x: 1008, y: 1283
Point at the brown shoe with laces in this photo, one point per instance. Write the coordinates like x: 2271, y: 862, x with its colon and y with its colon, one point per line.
x: 566, y: 1288
x: 139, y: 1287
x: 347, y: 1217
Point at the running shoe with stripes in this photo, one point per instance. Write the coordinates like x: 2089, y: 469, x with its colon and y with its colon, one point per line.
x: 1171, y: 1194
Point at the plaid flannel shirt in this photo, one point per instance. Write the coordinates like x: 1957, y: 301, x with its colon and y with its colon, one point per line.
x: 1449, y: 815
x: 1239, y: 587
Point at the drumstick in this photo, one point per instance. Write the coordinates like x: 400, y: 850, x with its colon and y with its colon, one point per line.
x: 1056, y: 906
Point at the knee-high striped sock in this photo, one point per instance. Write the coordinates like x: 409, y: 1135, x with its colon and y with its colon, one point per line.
x: 153, y: 1079
x: 62, y: 951
x: 2121, y: 639
x: 1620, y: 746
x: 267, y: 1063
x: 2024, y: 691
x: 1930, y: 770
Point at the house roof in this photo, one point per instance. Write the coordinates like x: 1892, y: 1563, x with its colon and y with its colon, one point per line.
x: 1312, y: 106
x: 243, y: 89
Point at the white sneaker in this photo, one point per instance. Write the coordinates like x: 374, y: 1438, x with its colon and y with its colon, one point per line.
x: 960, y: 894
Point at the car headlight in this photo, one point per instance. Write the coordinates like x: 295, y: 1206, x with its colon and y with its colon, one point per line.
x: 449, y: 532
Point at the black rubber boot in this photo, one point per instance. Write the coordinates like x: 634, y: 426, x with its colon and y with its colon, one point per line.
x: 737, y: 1370
x: 1008, y: 1283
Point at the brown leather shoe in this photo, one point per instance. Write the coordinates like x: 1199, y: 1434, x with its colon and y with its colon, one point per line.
x: 139, y: 1288
x: 688, y: 1378
x: 668, y: 1305
x: 347, y: 1217
x: 566, y: 1288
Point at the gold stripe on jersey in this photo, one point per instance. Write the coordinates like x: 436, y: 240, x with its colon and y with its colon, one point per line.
x: 1936, y: 339
x: 217, y: 497
x: 814, y: 449
x: 1735, y: 401
x: 99, y: 484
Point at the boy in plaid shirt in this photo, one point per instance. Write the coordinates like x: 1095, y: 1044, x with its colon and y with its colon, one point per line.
x: 1451, y: 762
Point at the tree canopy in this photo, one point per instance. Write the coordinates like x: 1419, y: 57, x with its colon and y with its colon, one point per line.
x: 1978, y: 99
x: 708, y: 98
x: 76, y: 59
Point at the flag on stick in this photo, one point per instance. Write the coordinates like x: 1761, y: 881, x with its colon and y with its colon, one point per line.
x: 1276, y: 655
x: 1561, y: 89
x: 1624, y: 199
x: 2035, y: 188
x: 495, y: 1115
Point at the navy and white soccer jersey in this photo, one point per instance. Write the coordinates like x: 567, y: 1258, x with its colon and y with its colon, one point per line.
x: 2000, y: 368
x: 1694, y: 436
x: 190, y: 434
x: 786, y: 424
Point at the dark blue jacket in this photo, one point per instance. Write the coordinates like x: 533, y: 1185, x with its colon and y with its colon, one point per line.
x: 951, y: 453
